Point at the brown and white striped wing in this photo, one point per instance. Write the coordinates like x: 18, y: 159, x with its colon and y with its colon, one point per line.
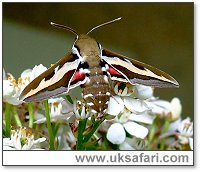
x: 124, y: 69
x: 54, y: 81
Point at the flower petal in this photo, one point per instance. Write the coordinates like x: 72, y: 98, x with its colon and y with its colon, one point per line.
x: 176, y: 108
x: 174, y: 125
x: 66, y: 107
x: 40, y: 121
x: 38, y: 69
x: 136, y: 130
x: 126, y: 146
x: 159, y: 107
x: 116, y: 134
x: 143, y: 92
x: 144, y: 118
x: 8, y: 89
x: 135, y: 105
x: 40, y: 140
x: 115, y: 106
x: 7, y: 142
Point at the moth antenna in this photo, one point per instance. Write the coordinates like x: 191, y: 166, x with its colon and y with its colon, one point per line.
x: 64, y: 27
x: 103, y: 24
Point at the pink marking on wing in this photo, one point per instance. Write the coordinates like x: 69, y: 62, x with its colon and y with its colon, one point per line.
x: 79, y: 76
x: 112, y: 71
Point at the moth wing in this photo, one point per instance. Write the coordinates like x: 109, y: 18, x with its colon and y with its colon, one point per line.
x: 135, y: 72
x: 54, y: 81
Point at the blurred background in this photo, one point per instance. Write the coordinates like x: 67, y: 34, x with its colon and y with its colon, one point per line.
x: 159, y: 34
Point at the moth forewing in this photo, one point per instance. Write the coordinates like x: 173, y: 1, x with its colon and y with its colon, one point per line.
x: 53, y: 81
x: 135, y: 72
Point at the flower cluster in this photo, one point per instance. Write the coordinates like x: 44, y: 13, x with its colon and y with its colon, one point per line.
x: 12, y: 88
x: 22, y: 139
x: 135, y: 120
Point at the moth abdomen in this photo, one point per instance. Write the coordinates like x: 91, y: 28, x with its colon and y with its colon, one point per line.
x: 96, y: 92
x: 97, y: 103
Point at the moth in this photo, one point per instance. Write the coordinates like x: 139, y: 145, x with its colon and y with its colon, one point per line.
x: 93, y: 67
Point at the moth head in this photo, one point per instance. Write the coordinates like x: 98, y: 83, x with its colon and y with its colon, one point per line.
x: 84, y: 44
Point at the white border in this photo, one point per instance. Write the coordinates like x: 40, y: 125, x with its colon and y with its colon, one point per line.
x: 112, y: 158
x: 197, y: 84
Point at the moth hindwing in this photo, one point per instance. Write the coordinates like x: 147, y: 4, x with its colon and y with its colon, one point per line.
x: 92, y: 67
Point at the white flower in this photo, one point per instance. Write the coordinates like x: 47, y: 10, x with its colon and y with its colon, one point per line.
x: 21, y: 139
x: 123, y: 89
x: 56, y: 106
x: 128, y: 122
x: 171, y: 110
x: 138, y: 91
x: 66, y: 139
x: 143, y: 92
x: 118, y: 104
x: 183, y: 130
x: 129, y: 112
x: 130, y: 97
x: 30, y: 74
x: 13, y: 89
x: 80, y: 110
x: 133, y: 144
x: 116, y: 134
x: 176, y: 108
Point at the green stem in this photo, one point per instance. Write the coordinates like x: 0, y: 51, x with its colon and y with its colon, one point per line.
x: 8, y: 118
x: 94, y: 128
x: 68, y: 97
x: 55, y: 128
x: 16, y: 117
x: 31, y: 114
x: 49, y: 127
x: 165, y: 128
x: 152, y: 131
x: 81, y: 129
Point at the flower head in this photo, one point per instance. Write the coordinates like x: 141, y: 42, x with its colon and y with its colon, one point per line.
x: 80, y: 111
x: 170, y: 110
x: 21, y: 139
x: 12, y: 89
x: 183, y: 129
x: 57, y: 106
x: 130, y: 114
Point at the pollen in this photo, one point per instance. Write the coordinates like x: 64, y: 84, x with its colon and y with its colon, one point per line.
x: 13, y: 81
x: 55, y: 104
x: 52, y: 65
x: 120, y: 91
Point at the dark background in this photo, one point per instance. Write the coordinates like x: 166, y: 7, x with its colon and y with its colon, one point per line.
x: 159, y: 34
